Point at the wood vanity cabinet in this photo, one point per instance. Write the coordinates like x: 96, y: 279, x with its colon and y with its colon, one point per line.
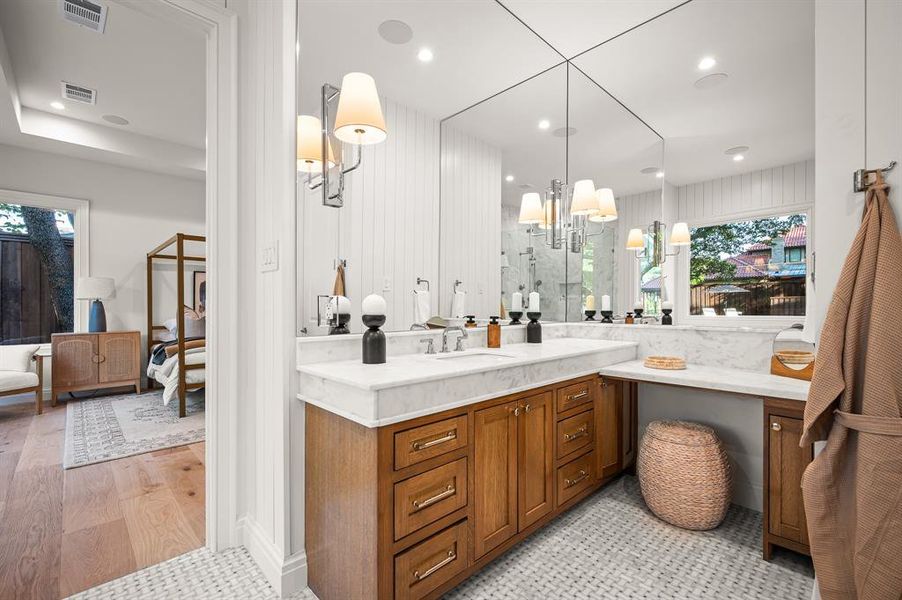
x: 412, y: 509
x: 784, y: 463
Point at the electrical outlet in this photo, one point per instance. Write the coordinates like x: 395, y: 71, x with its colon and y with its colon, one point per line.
x: 386, y: 284
x: 269, y: 257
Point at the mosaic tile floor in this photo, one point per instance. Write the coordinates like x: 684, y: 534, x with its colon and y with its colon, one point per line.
x: 610, y: 546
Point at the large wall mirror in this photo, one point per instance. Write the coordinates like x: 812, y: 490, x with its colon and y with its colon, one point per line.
x: 688, y: 118
x: 388, y: 233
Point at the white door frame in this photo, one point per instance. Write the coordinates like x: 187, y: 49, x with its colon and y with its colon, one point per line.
x: 220, y: 26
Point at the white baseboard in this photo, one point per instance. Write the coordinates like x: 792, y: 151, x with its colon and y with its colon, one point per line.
x: 285, y: 575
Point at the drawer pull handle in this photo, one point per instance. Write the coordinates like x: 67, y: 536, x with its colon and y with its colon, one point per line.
x: 421, y: 504
x: 582, y: 431
x: 421, y: 576
x: 571, y: 482
x: 421, y: 445
x: 582, y: 394
x: 776, y: 426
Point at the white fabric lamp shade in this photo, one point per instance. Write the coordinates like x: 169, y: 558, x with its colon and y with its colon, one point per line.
x: 635, y: 240
x: 680, y: 235
x: 607, y: 207
x: 310, y: 145
x: 359, y: 117
x: 531, y: 209
x: 584, y: 201
x: 95, y: 288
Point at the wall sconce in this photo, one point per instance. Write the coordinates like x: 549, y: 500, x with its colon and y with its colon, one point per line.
x: 358, y: 121
x: 657, y: 255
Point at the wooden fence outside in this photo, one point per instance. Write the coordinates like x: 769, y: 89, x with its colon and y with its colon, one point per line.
x: 782, y: 297
x: 26, y: 309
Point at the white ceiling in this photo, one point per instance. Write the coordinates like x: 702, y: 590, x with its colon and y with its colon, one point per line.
x: 149, y: 70
x: 767, y: 103
x: 479, y: 50
x: 573, y: 26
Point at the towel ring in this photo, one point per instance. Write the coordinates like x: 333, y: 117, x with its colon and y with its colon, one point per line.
x: 421, y: 281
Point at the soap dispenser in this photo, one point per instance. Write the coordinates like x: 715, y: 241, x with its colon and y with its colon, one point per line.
x: 493, y: 336
x: 471, y: 322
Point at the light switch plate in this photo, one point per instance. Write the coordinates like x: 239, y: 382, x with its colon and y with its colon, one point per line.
x: 386, y: 284
x: 269, y: 257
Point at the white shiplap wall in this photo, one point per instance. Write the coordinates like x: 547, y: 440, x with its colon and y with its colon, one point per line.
x: 788, y: 186
x: 470, y: 223
x: 387, y: 230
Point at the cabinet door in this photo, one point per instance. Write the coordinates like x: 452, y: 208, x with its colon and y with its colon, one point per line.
x: 495, y: 476
x: 609, y: 427
x: 118, y: 357
x: 535, y: 446
x: 787, y: 462
x: 74, y: 360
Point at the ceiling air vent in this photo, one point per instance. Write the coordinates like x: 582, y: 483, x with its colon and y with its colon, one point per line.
x: 84, y: 13
x: 77, y: 93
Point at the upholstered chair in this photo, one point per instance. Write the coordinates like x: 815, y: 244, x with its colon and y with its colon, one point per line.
x: 22, y: 372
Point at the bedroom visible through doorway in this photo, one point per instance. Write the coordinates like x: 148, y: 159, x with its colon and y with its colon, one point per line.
x: 103, y: 296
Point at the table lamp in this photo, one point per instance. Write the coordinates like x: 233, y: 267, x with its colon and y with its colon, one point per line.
x: 96, y: 289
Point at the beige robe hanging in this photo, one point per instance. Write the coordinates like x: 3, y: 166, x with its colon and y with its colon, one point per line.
x: 853, y: 489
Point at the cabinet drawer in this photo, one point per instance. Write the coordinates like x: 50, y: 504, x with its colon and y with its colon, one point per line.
x: 431, y: 563
x: 574, y: 395
x: 575, y: 477
x: 428, y: 497
x: 428, y: 441
x: 575, y: 433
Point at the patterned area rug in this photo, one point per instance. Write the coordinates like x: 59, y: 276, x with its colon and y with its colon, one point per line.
x: 110, y: 427
x: 609, y: 547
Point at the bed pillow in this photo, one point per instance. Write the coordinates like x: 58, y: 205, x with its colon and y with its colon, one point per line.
x: 195, y: 326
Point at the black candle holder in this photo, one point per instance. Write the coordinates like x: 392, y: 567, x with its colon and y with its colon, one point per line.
x: 590, y: 315
x: 606, y: 316
x: 373, y: 340
x: 342, y: 326
x: 666, y: 319
x: 515, y: 317
x: 638, y: 312
x: 534, y: 328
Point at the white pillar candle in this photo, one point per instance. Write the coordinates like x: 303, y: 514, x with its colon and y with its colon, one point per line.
x: 590, y: 302
x: 374, y: 304
x: 667, y: 304
x: 640, y: 305
x: 517, y: 302
x: 605, y: 302
x: 534, y: 302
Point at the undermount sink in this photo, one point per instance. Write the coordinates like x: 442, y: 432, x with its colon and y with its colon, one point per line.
x: 483, y: 357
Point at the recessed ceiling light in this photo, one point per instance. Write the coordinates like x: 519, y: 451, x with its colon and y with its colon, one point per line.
x: 736, y: 150
x: 509, y: 178
x: 738, y: 157
x: 564, y: 132
x: 58, y: 105
x: 710, y: 81
x: 115, y: 119
x: 395, y: 32
x: 706, y: 63
x: 425, y: 55
x: 544, y: 124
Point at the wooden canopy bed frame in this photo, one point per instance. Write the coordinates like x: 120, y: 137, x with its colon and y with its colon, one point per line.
x: 164, y: 252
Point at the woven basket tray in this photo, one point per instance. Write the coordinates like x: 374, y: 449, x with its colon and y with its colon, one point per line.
x: 669, y: 363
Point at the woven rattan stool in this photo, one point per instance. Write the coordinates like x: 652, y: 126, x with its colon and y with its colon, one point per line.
x: 685, y: 474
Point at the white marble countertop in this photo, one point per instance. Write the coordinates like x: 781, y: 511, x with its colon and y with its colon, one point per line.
x: 410, y: 369
x: 714, y: 378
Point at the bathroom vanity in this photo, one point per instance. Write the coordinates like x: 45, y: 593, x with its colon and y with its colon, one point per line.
x: 409, y: 506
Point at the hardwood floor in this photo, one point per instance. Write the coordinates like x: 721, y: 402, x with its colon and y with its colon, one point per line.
x: 63, y: 531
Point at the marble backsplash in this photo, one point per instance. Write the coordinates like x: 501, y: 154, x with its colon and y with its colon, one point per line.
x: 731, y: 347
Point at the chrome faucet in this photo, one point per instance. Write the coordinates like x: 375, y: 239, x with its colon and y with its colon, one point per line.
x: 463, y: 335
